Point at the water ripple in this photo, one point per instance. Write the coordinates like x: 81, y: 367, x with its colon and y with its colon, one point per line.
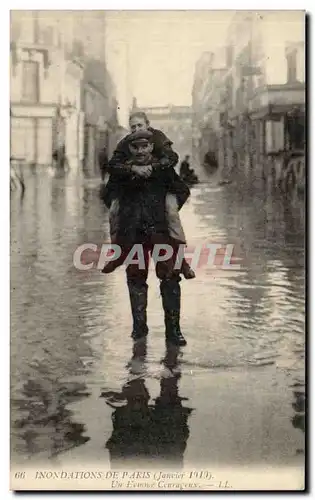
x: 70, y: 330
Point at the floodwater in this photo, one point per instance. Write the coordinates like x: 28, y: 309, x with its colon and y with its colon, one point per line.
x: 82, y: 393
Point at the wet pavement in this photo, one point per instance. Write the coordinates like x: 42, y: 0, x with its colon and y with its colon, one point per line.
x: 82, y: 393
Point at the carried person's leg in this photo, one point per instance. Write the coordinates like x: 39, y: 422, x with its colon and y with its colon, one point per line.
x: 113, y: 229
x: 114, y: 219
x: 176, y: 230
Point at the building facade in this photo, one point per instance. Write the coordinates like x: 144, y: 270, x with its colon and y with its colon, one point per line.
x: 260, y: 95
x: 263, y: 118
x: 206, y: 97
x: 51, y: 79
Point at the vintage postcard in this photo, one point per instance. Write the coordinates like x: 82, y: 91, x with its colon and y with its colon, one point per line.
x: 157, y: 205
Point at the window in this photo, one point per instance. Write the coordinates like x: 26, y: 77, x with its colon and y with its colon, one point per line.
x: 229, y: 56
x: 274, y: 136
x: 296, y: 132
x: 26, y: 22
x: 44, y: 139
x: 46, y: 35
x: 77, y: 48
x: 291, y: 66
x: 30, y: 81
x: 15, y: 30
x: 239, y: 98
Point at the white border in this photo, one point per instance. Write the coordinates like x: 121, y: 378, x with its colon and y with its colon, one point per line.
x: 161, y: 5
x: 4, y: 171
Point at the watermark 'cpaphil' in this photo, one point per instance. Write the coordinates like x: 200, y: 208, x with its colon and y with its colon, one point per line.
x: 210, y: 255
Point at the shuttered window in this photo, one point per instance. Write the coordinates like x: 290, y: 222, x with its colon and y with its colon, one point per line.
x: 30, y: 81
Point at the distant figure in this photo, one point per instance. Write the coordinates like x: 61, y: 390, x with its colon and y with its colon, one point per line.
x: 186, y: 173
x: 103, y: 162
x: 184, y: 167
x: 210, y: 161
x: 60, y: 157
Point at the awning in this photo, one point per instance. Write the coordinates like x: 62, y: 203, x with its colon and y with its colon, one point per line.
x: 275, y: 111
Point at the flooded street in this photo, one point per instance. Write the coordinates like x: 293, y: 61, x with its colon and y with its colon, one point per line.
x: 81, y: 393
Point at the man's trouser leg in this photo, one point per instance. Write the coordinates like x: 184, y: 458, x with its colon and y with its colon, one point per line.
x: 171, y: 299
x: 138, y: 293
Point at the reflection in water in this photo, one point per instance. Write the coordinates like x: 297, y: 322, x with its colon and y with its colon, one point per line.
x: 74, y: 326
x: 266, y: 297
x: 45, y: 424
x: 144, y: 431
x: 298, y: 405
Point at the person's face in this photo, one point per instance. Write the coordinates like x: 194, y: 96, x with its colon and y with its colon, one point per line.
x: 138, y: 123
x: 141, y: 152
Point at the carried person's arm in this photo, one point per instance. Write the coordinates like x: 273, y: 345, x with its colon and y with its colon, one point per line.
x: 173, y: 183
x: 163, y: 150
x: 118, y: 165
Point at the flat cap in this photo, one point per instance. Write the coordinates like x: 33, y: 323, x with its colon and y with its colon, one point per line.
x: 140, y: 137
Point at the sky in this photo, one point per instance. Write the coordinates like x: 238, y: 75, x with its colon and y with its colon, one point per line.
x: 152, y: 54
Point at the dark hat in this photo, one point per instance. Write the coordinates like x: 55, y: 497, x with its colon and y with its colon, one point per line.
x: 140, y: 137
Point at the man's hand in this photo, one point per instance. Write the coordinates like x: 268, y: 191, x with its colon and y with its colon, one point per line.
x: 142, y: 170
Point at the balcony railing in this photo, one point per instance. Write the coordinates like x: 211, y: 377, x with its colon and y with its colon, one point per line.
x: 278, y: 95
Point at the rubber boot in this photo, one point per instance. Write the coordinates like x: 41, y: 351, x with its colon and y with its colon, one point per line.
x: 138, y: 293
x: 170, y: 291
